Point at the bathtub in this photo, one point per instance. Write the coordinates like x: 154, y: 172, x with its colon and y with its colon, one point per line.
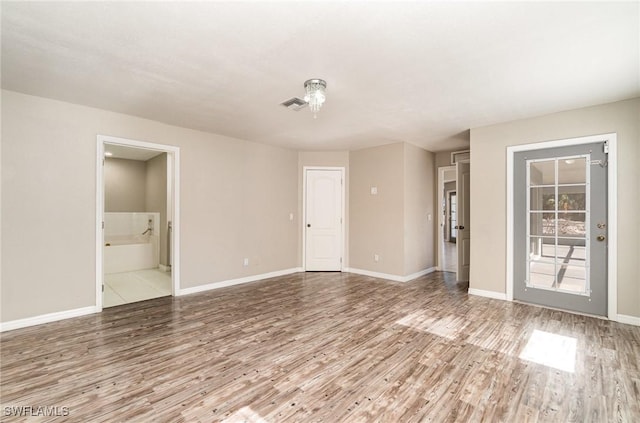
x: 129, y: 253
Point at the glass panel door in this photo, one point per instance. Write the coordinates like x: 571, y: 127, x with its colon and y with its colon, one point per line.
x: 560, y: 227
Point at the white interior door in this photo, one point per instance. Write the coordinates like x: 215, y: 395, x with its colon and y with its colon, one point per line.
x: 463, y: 224
x: 323, y: 220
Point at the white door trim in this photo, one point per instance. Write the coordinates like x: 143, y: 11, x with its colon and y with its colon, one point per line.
x: 612, y: 214
x: 304, y: 213
x: 174, y: 153
x: 441, y: 222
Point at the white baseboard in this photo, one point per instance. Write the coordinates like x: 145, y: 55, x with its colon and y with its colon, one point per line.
x: 418, y: 274
x: 231, y: 282
x: 46, y: 318
x: 395, y: 278
x: 628, y: 320
x: 488, y: 294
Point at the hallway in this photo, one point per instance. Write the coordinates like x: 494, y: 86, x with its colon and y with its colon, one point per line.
x: 449, y: 257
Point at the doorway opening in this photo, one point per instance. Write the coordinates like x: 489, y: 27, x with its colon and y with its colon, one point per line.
x: 447, y: 231
x: 137, y: 231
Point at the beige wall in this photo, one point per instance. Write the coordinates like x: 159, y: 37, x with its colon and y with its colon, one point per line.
x: 156, y: 197
x: 324, y: 159
x: 443, y: 158
x: 419, y: 209
x: 394, y: 223
x: 488, y: 189
x: 377, y: 221
x: 124, y: 185
x: 236, y: 200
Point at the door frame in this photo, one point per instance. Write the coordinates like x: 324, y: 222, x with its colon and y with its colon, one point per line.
x: 304, y: 213
x: 442, y: 220
x: 173, y: 174
x: 612, y: 207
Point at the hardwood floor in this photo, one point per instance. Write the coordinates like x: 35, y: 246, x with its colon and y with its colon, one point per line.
x: 327, y: 347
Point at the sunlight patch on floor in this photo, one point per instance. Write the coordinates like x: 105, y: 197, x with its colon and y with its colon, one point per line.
x: 447, y: 327
x: 244, y: 415
x: 551, y: 350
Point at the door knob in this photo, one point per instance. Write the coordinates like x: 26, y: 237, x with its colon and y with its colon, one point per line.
x: 461, y: 228
x: 456, y: 227
x: 601, y: 238
x: 308, y: 225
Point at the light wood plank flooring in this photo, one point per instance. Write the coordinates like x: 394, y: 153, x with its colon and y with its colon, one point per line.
x: 327, y: 347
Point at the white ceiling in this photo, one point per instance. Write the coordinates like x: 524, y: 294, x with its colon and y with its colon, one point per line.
x: 421, y: 72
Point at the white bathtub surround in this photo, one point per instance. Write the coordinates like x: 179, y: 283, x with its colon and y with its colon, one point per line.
x: 126, y: 245
x: 127, y: 224
x: 129, y: 287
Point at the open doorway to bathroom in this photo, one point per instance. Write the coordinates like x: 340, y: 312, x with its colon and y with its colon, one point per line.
x: 137, y: 221
x: 447, y: 233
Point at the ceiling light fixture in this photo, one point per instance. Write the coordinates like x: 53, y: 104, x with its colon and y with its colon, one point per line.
x: 315, y: 94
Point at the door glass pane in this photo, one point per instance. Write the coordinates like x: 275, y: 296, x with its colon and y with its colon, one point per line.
x: 572, y: 197
x: 542, y: 275
x: 542, y: 198
x: 542, y: 249
x: 542, y: 224
x: 572, y: 251
x: 572, y: 278
x: 542, y: 172
x: 572, y: 170
x: 571, y: 224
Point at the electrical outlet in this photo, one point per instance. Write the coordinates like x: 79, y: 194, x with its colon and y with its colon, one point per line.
x: 374, y: 190
x: 376, y: 258
x: 245, y: 262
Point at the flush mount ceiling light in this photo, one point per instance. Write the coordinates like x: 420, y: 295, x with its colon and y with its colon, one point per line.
x: 315, y: 94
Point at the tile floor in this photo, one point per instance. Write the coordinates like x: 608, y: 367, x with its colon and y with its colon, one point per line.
x: 450, y: 257
x: 130, y: 287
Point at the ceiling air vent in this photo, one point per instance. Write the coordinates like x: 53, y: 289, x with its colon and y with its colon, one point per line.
x: 294, y: 104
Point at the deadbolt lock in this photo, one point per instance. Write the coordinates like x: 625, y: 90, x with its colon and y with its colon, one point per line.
x: 601, y: 238
x: 602, y: 225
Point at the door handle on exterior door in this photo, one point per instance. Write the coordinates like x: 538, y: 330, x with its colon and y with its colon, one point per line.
x: 601, y: 238
x: 461, y: 228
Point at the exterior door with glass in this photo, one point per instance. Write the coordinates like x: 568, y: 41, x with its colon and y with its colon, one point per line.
x: 560, y: 228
